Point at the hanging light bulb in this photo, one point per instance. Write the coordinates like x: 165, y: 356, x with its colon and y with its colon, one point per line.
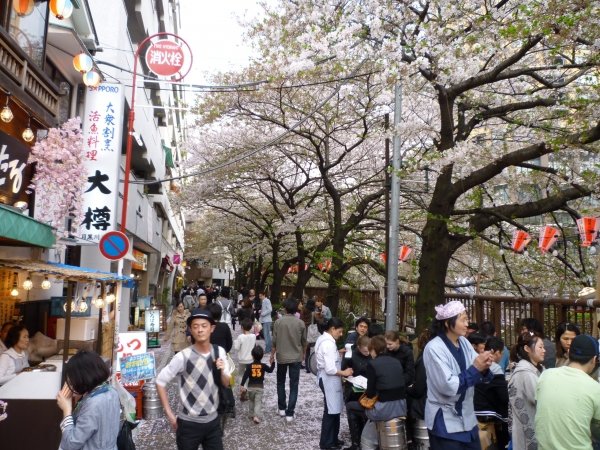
x: 6, y: 114
x: 110, y: 298
x: 28, y: 134
x: 99, y: 302
x: 83, y: 306
x: 62, y: 9
x: 28, y: 284
x: 46, y: 283
x: 15, y: 290
x: 83, y: 62
x: 23, y: 7
x: 92, y: 78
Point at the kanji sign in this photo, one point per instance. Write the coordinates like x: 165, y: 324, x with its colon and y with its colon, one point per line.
x: 114, y: 245
x: 165, y: 57
x: 102, y: 130
x: 15, y: 173
x: 130, y: 343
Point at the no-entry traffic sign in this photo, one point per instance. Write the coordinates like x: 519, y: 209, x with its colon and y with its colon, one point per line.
x: 114, y: 245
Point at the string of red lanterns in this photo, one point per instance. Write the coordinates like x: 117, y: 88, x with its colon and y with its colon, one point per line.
x: 588, y: 231
x: 403, y: 255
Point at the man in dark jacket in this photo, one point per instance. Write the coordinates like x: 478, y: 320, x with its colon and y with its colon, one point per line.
x: 491, y: 399
x: 221, y: 336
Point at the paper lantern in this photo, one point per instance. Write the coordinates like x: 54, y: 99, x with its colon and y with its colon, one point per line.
x: 548, y: 236
x: 520, y: 240
x: 62, y: 9
x: 92, y: 78
x: 405, y: 252
x: 23, y: 7
x: 588, y: 230
x: 83, y: 63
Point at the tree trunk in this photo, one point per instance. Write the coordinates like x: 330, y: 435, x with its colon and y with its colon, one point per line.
x: 433, y: 265
x: 336, y: 275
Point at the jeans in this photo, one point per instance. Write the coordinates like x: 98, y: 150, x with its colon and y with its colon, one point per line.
x: 255, y: 396
x: 330, y: 424
x: 266, y: 329
x: 190, y: 435
x: 294, y: 380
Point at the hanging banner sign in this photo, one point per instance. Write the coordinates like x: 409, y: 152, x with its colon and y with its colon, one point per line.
x: 102, y: 137
x: 15, y: 173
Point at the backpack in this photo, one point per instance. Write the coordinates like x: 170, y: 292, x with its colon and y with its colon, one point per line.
x: 225, y: 400
x: 227, y: 311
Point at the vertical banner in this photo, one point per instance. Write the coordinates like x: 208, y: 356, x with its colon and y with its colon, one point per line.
x: 102, y: 136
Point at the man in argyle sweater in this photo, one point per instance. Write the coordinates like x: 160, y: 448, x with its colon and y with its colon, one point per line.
x: 197, y: 422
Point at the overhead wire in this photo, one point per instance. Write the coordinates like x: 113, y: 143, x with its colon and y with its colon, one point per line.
x: 269, y: 143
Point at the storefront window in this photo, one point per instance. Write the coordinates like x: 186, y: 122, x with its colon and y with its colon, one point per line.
x: 30, y: 31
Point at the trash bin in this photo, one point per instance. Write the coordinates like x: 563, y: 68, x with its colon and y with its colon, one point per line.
x: 152, y: 406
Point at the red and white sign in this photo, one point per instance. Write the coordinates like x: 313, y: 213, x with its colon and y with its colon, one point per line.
x: 176, y: 258
x: 131, y: 343
x: 165, y: 58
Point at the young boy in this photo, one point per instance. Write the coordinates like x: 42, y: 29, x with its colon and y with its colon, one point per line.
x: 243, y: 345
x: 255, y: 374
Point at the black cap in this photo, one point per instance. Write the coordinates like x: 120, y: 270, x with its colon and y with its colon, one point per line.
x: 584, y: 346
x: 198, y: 313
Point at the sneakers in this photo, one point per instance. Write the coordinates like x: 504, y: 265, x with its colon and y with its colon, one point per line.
x: 289, y: 419
x: 282, y: 413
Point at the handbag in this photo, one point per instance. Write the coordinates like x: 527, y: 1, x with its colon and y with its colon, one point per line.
x: 367, y: 402
x: 312, y: 332
x: 125, y: 437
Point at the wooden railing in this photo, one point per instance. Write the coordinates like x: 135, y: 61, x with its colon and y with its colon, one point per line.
x: 504, y: 312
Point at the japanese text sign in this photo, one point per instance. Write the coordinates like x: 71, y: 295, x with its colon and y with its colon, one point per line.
x: 102, y: 136
x: 130, y: 343
x: 165, y: 57
x: 152, y: 320
x: 15, y: 173
x: 138, y: 367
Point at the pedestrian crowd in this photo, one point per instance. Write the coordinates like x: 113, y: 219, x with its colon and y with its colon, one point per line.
x: 464, y: 390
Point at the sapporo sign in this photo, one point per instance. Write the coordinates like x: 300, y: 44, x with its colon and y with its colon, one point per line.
x: 165, y: 57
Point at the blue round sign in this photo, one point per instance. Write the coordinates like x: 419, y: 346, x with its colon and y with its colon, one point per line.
x: 114, y: 245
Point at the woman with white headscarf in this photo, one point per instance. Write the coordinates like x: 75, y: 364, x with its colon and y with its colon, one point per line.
x: 453, y: 368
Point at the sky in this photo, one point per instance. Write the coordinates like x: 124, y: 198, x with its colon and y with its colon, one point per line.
x: 215, y: 36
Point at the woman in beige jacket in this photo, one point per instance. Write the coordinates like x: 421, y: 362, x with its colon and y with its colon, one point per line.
x: 176, y: 330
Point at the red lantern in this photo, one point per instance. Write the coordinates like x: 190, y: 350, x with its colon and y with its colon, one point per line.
x: 324, y: 267
x: 548, y: 236
x: 588, y: 230
x: 383, y: 257
x: 520, y: 240
x: 405, y: 252
x: 23, y: 7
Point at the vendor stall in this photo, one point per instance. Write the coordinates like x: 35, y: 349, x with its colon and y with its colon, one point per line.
x: 30, y: 397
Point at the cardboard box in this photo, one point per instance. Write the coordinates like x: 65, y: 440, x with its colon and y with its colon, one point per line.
x: 82, y: 329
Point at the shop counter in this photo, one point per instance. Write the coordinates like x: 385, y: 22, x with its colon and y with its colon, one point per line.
x: 33, y: 417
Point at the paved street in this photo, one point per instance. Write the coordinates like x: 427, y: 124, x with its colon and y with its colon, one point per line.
x: 241, y: 433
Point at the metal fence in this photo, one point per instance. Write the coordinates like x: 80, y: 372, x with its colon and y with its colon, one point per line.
x: 504, y: 312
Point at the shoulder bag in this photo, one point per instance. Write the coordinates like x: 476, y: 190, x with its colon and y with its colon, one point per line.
x: 367, y: 402
x: 312, y: 332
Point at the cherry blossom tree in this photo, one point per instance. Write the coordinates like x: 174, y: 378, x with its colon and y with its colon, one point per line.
x: 496, y: 93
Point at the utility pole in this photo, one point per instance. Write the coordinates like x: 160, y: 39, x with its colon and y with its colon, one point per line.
x: 386, y: 126
x: 391, y: 316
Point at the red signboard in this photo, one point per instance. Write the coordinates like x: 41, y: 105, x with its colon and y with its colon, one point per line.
x: 165, y: 58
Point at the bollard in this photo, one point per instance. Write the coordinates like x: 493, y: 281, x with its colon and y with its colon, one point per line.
x: 420, y: 435
x: 152, y: 407
x: 392, y: 434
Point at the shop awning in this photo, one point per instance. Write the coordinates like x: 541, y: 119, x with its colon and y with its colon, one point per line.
x: 19, y: 229
x: 74, y: 273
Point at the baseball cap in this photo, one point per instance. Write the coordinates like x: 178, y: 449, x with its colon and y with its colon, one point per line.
x: 198, y: 313
x: 584, y: 346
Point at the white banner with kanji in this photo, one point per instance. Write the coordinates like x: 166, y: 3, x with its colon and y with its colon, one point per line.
x: 102, y: 136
